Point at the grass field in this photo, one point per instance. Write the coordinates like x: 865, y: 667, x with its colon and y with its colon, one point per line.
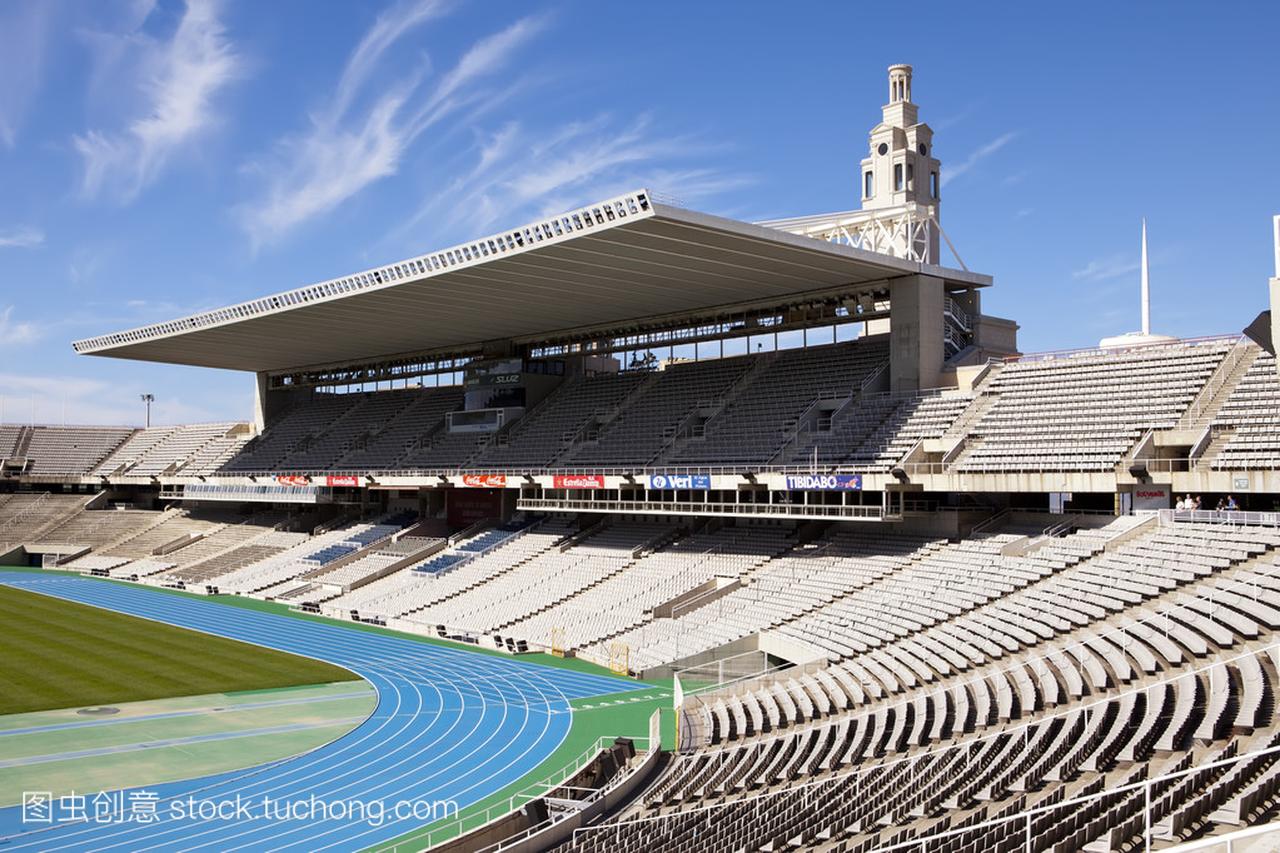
x: 58, y: 654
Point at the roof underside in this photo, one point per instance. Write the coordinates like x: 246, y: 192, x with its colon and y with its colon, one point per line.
x: 636, y: 260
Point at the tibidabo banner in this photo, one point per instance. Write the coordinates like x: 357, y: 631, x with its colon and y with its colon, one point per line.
x: 825, y: 482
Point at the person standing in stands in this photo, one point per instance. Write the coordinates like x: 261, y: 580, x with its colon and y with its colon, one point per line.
x: 1232, y: 506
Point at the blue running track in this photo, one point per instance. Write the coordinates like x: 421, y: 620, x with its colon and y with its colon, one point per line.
x: 449, y: 725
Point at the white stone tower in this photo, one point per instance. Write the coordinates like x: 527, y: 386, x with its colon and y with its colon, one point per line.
x: 900, y: 168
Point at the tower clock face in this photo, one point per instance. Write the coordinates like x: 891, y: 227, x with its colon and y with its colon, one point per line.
x: 883, y: 149
x: 924, y: 149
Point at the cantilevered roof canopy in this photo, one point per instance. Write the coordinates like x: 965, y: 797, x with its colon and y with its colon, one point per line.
x: 616, y: 262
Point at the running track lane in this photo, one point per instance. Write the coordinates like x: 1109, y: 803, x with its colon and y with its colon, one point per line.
x: 449, y: 725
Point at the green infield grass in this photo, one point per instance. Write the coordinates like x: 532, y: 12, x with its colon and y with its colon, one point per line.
x: 59, y: 654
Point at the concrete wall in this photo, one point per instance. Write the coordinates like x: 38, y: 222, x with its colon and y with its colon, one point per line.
x: 915, y: 335
x: 995, y: 335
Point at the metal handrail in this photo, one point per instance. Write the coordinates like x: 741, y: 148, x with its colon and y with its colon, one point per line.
x: 459, y: 826
x: 1064, y: 353
x: 694, y: 508
x: 817, y: 785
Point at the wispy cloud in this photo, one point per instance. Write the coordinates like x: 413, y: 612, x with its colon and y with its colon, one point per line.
x: 21, y: 237
x: 363, y: 133
x: 518, y: 174
x: 1014, y: 178
x: 13, y: 333
x: 24, y: 29
x: 1104, y: 269
x: 955, y: 170
x: 180, y: 80
x: 391, y: 26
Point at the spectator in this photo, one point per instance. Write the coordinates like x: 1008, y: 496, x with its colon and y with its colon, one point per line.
x: 1232, y: 506
x: 1196, y: 503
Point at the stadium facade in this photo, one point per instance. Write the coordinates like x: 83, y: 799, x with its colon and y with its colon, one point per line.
x: 519, y: 321
x: 941, y: 586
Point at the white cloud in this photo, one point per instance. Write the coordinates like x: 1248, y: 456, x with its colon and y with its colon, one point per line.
x: 1102, y: 269
x: 21, y: 237
x: 13, y: 333
x: 518, y: 174
x: 362, y: 135
x: 390, y: 27
x: 950, y: 173
x: 180, y: 79
x: 24, y: 29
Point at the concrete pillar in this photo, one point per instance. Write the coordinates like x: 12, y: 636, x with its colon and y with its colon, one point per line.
x: 915, y: 334
x: 260, y: 404
x: 1275, y: 316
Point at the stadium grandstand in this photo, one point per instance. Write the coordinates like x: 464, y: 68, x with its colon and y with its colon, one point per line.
x: 915, y: 589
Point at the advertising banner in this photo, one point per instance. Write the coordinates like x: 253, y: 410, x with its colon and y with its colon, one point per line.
x: 292, y: 480
x: 1151, y: 497
x: 484, y: 481
x: 578, y: 481
x: 348, y: 480
x: 825, y: 482
x: 495, y: 380
x: 692, y: 482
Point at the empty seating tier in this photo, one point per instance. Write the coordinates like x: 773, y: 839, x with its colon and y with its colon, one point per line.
x: 1119, y: 666
x: 1084, y: 412
x: 657, y: 413
x: 1252, y: 415
x: 71, y: 451
x: 756, y: 424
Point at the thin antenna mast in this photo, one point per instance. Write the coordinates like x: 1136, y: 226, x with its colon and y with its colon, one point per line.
x: 1146, y: 284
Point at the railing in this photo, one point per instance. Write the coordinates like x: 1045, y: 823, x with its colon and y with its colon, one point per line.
x: 640, y: 471
x: 928, y: 842
x: 241, y: 492
x: 1227, y: 843
x: 469, y: 823
x: 817, y: 788
x: 1209, y: 393
x: 1068, y: 353
x: 26, y: 511
x: 1062, y: 528
x: 709, y: 508
x: 1177, y: 465
x: 1169, y: 517
x: 958, y: 314
x: 991, y: 523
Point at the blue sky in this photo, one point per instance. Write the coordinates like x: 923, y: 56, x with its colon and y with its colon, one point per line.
x: 159, y: 158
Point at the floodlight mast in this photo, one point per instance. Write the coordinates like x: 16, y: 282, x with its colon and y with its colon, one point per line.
x: 148, y: 399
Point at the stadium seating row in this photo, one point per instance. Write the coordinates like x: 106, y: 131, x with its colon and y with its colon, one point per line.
x: 1074, y: 412
x: 1153, y: 658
